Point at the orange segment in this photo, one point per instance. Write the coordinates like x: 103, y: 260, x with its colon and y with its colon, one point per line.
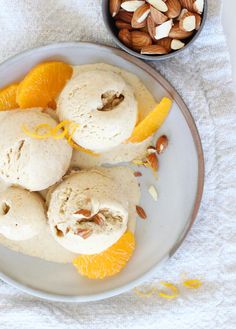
x: 8, y: 97
x: 108, y: 262
x: 151, y: 122
x: 42, y: 84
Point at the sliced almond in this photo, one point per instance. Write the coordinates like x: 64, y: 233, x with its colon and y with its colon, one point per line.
x: 198, y: 21
x: 140, y: 15
x: 151, y: 149
x: 124, y: 16
x: 132, y: 5
x: 198, y: 6
x: 83, y: 212
x: 177, y: 33
x: 125, y: 37
x: 141, y: 212
x: 166, y: 43
x: 153, y: 50
x: 84, y: 232
x: 163, y: 30
x: 174, y: 8
x: 183, y: 11
x: 140, y: 40
x: 187, y: 22
x: 153, y: 192
x: 161, y: 144
x: 114, y: 6
x: 177, y: 44
x: 153, y: 161
x: 99, y: 219
x: 157, y: 16
x: 151, y: 27
x: 158, y: 4
x: 122, y: 25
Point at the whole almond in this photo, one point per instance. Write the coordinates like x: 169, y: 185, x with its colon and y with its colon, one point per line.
x: 161, y: 144
x: 174, y: 8
x: 140, y: 211
x: 154, y: 50
x: 188, y: 4
x: 124, y: 16
x: 166, y: 43
x: 157, y: 16
x: 198, y: 21
x: 122, y: 25
x: 177, y: 33
x: 140, y: 40
x: 125, y: 37
x: 83, y: 212
x: 151, y: 27
x: 153, y: 161
x: 140, y: 16
x: 114, y: 6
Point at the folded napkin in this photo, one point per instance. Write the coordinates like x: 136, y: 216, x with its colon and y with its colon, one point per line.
x: 202, y: 75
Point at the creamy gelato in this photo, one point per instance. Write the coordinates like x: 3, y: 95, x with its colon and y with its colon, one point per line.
x: 34, y: 164
x: 88, y: 212
x: 105, y: 107
x: 22, y: 214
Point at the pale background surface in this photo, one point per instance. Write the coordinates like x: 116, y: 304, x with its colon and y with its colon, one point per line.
x: 229, y: 23
x: 202, y: 75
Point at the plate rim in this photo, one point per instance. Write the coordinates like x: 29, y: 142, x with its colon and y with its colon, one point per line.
x: 200, y: 182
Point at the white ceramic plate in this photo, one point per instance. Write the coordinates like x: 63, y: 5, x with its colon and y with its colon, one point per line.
x: 179, y: 186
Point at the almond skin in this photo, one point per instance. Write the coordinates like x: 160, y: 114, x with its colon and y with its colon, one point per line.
x: 154, y: 50
x: 161, y: 144
x: 140, y: 16
x: 114, y: 6
x: 153, y: 161
x: 137, y: 174
x: 124, y: 16
x: 122, y: 25
x: 174, y: 8
x: 157, y: 16
x: 140, y: 211
x: 151, y: 27
x: 177, y: 33
x: 125, y: 37
x: 140, y: 40
x: 188, y: 4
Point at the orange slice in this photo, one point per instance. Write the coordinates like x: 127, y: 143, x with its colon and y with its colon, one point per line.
x: 42, y: 84
x: 151, y: 122
x: 108, y: 262
x: 8, y: 97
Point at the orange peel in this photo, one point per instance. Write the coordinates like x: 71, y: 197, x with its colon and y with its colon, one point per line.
x: 173, y: 289
x: 8, y: 97
x: 192, y: 284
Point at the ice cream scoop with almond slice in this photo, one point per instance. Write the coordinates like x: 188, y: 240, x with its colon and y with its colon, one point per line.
x: 89, y: 211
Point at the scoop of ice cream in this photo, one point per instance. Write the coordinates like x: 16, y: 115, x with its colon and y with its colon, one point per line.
x: 22, y: 214
x: 32, y: 163
x: 103, y: 104
x: 87, y: 212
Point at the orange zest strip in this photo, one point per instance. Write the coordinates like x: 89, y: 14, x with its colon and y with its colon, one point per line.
x: 145, y: 294
x: 61, y: 125
x: 192, y: 284
x: 34, y: 134
x: 173, y: 289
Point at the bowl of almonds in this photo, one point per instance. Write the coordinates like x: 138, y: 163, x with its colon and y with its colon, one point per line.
x: 154, y: 29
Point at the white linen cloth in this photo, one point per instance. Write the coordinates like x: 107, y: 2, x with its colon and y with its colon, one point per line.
x: 202, y: 75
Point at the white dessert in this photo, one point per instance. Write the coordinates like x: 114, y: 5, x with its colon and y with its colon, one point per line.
x: 107, y: 206
x: 34, y: 164
x: 22, y: 214
x: 46, y: 247
x: 104, y: 106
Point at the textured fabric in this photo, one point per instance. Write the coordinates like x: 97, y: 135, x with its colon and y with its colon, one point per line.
x: 202, y: 75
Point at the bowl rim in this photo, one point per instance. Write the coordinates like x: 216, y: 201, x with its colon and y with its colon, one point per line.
x: 200, y: 186
x: 152, y: 57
